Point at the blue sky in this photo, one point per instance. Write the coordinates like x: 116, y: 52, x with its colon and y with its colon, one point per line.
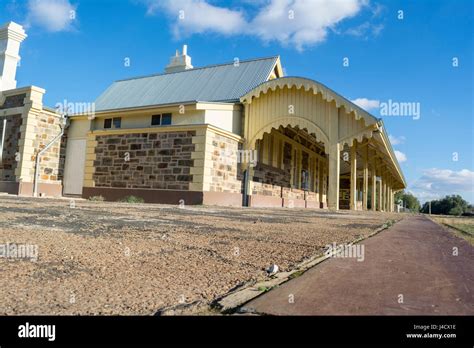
x: 402, y: 51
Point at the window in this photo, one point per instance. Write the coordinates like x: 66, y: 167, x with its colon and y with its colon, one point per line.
x: 115, y: 122
x: 161, y: 120
x: 156, y: 120
x: 165, y: 119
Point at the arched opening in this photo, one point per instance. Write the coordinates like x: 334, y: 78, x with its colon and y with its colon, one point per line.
x: 291, y: 170
x: 339, y: 127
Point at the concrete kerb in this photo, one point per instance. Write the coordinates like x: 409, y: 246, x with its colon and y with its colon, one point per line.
x: 233, y: 301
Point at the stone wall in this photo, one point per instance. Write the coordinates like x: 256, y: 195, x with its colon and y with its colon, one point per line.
x: 48, y: 127
x: 226, y: 173
x: 144, y: 160
x: 11, y: 148
x: 272, y: 186
x: 30, y: 128
x: 292, y: 193
x: 269, y: 181
x: 13, y: 101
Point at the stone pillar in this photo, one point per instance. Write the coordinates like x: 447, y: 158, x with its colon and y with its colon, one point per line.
x: 334, y: 170
x: 353, y: 187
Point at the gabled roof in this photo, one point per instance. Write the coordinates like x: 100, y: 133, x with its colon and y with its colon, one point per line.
x: 216, y: 83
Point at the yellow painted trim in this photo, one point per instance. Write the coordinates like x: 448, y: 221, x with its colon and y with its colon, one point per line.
x: 165, y: 129
x: 139, y: 110
x: 219, y: 106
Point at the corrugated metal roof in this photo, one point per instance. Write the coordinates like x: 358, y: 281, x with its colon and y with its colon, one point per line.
x: 216, y: 83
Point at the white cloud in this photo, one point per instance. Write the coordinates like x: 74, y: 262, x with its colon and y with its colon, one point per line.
x: 198, y: 16
x: 437, y: 183
x: 290, y: 22
x: 401, y: 157
x: 367, y: 104
x: 396, y: 140
x: 52, y: 15
x: 302, y: 22
x: 365, y: 29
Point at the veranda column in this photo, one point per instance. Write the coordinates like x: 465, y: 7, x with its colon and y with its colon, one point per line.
x: 314, y: 176
x: 387, y: 203
x: 320, y: 175
x: 353, y: 188
x: 334, y: 170
x: 380, y: 192
x: 374, y: 184
x: 300, y: 167
x: 390, y: 197
x: 393, y: 200
x: 384, y: 192
x: 365, y: 182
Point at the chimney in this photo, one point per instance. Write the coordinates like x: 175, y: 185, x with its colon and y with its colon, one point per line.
x: 180, y: 62
x: 11, y: 36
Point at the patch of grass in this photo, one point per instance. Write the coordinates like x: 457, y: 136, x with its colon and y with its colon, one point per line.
x: 132, y: 200
x: 264, y: 288
x: 466, y: 228
x: 461, y: 226
x: 296, y: 274
x: 389, y: 223
x: 97, y: 199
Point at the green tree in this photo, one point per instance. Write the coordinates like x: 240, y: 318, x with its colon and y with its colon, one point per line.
x: 409, y: 201
x: 449, y: 205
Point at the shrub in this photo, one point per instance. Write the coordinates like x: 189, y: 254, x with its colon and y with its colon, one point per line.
x: 132, y: 199
x: 96, y: 199
x: 449, y: 205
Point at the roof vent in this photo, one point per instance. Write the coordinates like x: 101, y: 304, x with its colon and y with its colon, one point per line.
x: 179, y: 62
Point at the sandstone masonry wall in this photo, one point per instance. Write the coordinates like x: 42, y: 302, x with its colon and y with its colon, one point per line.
x: 10, y: 147
x: 47, y: 128
x: 144, y: 160
x: 226, y: 175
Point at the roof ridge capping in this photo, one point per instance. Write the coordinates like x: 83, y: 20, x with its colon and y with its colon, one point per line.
x: 199, y: 68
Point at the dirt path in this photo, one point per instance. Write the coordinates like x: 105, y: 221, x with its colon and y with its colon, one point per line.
x: 412, y: 262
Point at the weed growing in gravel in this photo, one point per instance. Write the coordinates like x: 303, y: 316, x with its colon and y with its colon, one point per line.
x: 132, y: 199
x: 96, y: 199
x: 296, y: 274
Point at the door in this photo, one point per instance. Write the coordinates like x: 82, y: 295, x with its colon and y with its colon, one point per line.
x: 74, y: 166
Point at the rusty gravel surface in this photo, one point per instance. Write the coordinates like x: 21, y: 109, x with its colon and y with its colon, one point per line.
x: 115, y: 258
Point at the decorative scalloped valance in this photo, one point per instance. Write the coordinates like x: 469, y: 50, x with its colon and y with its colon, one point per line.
x: 367, y: 134
x: 309, y: 85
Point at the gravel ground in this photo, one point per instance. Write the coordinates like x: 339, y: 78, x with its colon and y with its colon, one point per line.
x: 98, y: 258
